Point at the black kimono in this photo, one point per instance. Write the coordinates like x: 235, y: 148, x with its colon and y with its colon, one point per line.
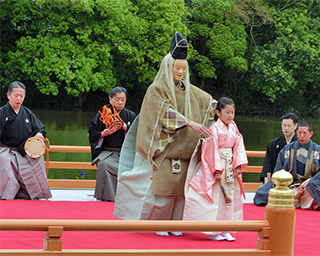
x: 105, y: 154
x: 21, y: 176
x: 273, y: 149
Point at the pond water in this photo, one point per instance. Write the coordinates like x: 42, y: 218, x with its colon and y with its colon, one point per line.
x: 71, y: 128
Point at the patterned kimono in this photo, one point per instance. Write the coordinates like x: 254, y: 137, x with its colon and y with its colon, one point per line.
x: 224, y: 151
x: 273, y: 149
x: 303, y: 163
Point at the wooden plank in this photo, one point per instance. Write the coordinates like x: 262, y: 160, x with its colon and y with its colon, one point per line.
x: 251, y: 186
x: 90, y: 184
x: 72, y: 149
x: 255, y: 153
x: 56, y: 183
x: 71, y: 165
x: 133, y: 225
x: 86, y: 149
x: 255, y: 169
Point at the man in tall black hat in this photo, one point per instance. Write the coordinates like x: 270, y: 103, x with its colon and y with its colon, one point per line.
x: 172, y: 119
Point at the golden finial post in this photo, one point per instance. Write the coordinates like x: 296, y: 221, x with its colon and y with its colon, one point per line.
x: 280, y: 213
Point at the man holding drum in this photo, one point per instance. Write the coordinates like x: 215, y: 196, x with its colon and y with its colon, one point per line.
x: 106, y: 135
x: 21, y: 176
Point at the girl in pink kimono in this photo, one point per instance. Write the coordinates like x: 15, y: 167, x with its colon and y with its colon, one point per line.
x: 214, y: 185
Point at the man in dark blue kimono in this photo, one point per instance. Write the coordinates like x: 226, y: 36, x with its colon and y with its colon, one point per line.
x: 289, y: 123
x: 20, y: 175
x: 106, y: 143
x: 302, y: 160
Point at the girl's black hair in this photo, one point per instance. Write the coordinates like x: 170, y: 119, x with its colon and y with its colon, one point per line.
x: 222, y: 103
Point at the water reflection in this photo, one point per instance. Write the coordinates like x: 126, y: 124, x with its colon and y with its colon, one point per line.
x: 71, y: 128
x: 67, y: 128
x: 258, y: 131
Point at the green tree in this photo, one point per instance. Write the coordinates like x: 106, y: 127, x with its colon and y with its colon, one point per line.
x: 69, y: 45
x: 219, y: 40
x: 257, y: 18
x: 161, y: 19
x: 79, y: 46
x: 287, y: 69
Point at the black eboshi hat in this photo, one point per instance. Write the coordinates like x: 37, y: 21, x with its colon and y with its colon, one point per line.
x: 179, y: 46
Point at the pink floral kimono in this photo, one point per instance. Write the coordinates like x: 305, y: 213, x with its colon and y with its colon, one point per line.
x: 223, y: 151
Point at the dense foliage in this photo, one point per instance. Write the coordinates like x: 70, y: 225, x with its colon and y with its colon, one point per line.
x: 263, y: 54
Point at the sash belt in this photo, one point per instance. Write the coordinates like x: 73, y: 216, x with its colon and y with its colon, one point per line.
x: 111, y: 149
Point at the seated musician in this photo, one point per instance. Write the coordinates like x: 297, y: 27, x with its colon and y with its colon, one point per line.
x: 289, y: 122
x: 106, y: 141
x: 301, y: 158
x: 21, y: 177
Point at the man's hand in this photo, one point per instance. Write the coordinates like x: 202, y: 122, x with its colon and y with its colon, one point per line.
x: 302, y: 187
x: 107, y: 132
x: 199, y: 128
x: 39, y: 134
x: 124, y: 127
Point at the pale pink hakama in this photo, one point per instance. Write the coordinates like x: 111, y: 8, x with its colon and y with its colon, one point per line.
x: 22, y: 176
x: 223, y: 151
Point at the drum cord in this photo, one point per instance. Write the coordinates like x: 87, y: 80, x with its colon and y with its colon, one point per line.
x: 47, y: 161
x: 110, y: 117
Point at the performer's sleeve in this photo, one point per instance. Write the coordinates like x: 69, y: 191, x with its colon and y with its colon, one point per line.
x: 159, y: 122
x: 94, y: 134
x: 213, y: 107
x: 132, y: 116
x: 213, y: 103
x: 211, y: 160
x: 239, y: 153
x: 267, y: 166
x: 173, y: 121
x: 280, y: 161
x: 1, y: 124
x: 313, y: 187
x: 240, y: 159
x: 37, y: 126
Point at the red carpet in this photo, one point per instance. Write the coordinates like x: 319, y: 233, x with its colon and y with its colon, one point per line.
x: 306, y: 232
